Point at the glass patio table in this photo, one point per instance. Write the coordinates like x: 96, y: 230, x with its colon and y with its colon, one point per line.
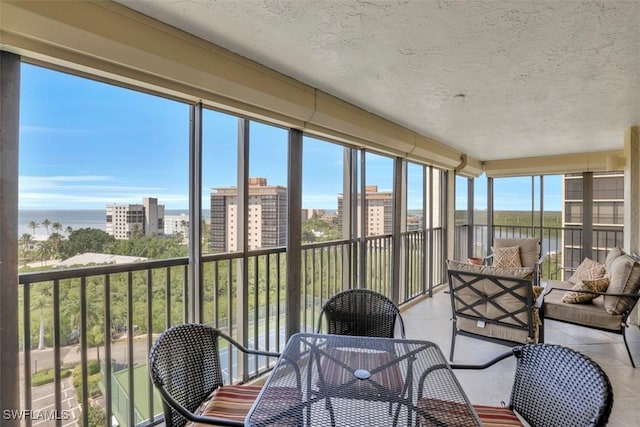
x: 337, y: 380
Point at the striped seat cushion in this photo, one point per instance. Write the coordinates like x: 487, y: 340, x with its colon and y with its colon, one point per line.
x: 497, y: 416
x: 231, y: 402
x: 437, y: 412
x: 339, y: 364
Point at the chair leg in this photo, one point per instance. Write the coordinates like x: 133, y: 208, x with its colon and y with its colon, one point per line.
x: 453, y: 342
x: 626, y: 344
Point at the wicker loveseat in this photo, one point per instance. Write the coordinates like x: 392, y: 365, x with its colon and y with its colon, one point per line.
x: 494, y: 304
x: 578, y: 302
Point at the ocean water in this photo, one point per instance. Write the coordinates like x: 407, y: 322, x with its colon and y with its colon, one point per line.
x: 77, y: 218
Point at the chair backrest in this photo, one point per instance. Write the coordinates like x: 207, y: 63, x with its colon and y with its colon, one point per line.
x: 529, y: 248
x: 557, y: 386
x: 361, y: 312
x: 494, y: 303
x: 184, y: 363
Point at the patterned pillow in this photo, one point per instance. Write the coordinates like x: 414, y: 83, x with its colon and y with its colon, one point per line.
x: 597, y: 285
x: 506, y: 257
x: 537, y: 290
x: 588, y: 270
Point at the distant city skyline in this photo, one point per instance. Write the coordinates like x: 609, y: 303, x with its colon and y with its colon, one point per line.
x: 86, y: 144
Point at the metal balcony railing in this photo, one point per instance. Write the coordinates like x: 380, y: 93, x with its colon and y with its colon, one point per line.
x: 86, y: 332
x: 563, y: 246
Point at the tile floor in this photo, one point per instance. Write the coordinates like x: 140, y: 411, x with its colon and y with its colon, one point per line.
x: 430, y: 319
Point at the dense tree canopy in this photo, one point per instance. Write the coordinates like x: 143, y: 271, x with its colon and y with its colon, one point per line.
x: 85, y: 240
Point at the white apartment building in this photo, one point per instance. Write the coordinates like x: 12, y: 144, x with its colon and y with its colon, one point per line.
x: 124, y: 221
x: 177, y: 225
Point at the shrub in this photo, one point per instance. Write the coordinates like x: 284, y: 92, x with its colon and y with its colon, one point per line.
x: 97, y: 417
x: 46, y: 376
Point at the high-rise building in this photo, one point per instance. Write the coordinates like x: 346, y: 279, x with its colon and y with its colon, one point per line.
x: 124, y: 221
x: 605, y: 196
x: 267, y: 221
x: 175, y: 225
x: 379, y: 211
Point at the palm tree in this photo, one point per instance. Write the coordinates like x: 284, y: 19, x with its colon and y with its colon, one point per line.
x: 42, y: 301
x: 56, y: 227
x: 46, y: 223
x: 33, y: 225
x: 26, y: 246
x: 46, y: 250
x: 56, y: 243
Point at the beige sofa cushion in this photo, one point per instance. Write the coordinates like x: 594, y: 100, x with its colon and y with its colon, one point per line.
x: 518, y: 273
x: 511, y: 329
x: 501, y: 332
x: 588, y: 270
x: 590, y: 314
x: 611, y: 256
x: 624, y: 279
x: 529, y: 249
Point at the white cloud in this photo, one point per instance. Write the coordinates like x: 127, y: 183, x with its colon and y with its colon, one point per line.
x: 88, y: 192
x: 46, y: 129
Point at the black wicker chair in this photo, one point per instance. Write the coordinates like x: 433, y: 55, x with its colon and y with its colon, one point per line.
x: 184, y: 364
x: 360, y: 312
x: 553, y: 386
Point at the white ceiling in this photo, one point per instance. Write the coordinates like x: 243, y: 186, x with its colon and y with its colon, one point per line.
x: 494, y: 79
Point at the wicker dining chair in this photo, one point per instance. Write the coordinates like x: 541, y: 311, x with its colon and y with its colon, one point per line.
x: 185, y: 367
x: 553, y: 386
x: 360, y: 312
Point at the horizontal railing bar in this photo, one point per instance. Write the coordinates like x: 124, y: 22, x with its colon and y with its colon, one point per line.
x: 75, y: 273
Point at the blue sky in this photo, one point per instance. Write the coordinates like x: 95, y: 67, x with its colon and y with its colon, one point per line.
x: 85, y: 144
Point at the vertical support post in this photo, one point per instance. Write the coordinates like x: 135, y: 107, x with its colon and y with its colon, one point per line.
x: 398, y: 221
x: 470, y: 217
x: 348, y: 186
x: 242, y: 294
x: 533, y: 202
x: 587, y: 215
x: 294, y: 232
x: 429, y: 210
x: 632, y: 189
x: 490, y: 213
x: 193, y: 299
x: 9, y: 123
x: 541, y: 207
x: 362, y: 217
x: 632, y: 199
x: 449, y: 183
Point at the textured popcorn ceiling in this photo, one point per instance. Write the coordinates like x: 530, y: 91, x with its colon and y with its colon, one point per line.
x: 495, y: 79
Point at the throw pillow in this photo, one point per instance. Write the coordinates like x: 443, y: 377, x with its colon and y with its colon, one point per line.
x: 537, y: 290
x: 611, y: 256
x: 597, y: 285
x: 518, y: 273
x: 529, y: 249
x: 588, y: 270
x: 625, y: 279
x: 506, y: 257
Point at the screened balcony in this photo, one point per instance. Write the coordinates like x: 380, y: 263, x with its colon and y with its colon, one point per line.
x: 92, y: 74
